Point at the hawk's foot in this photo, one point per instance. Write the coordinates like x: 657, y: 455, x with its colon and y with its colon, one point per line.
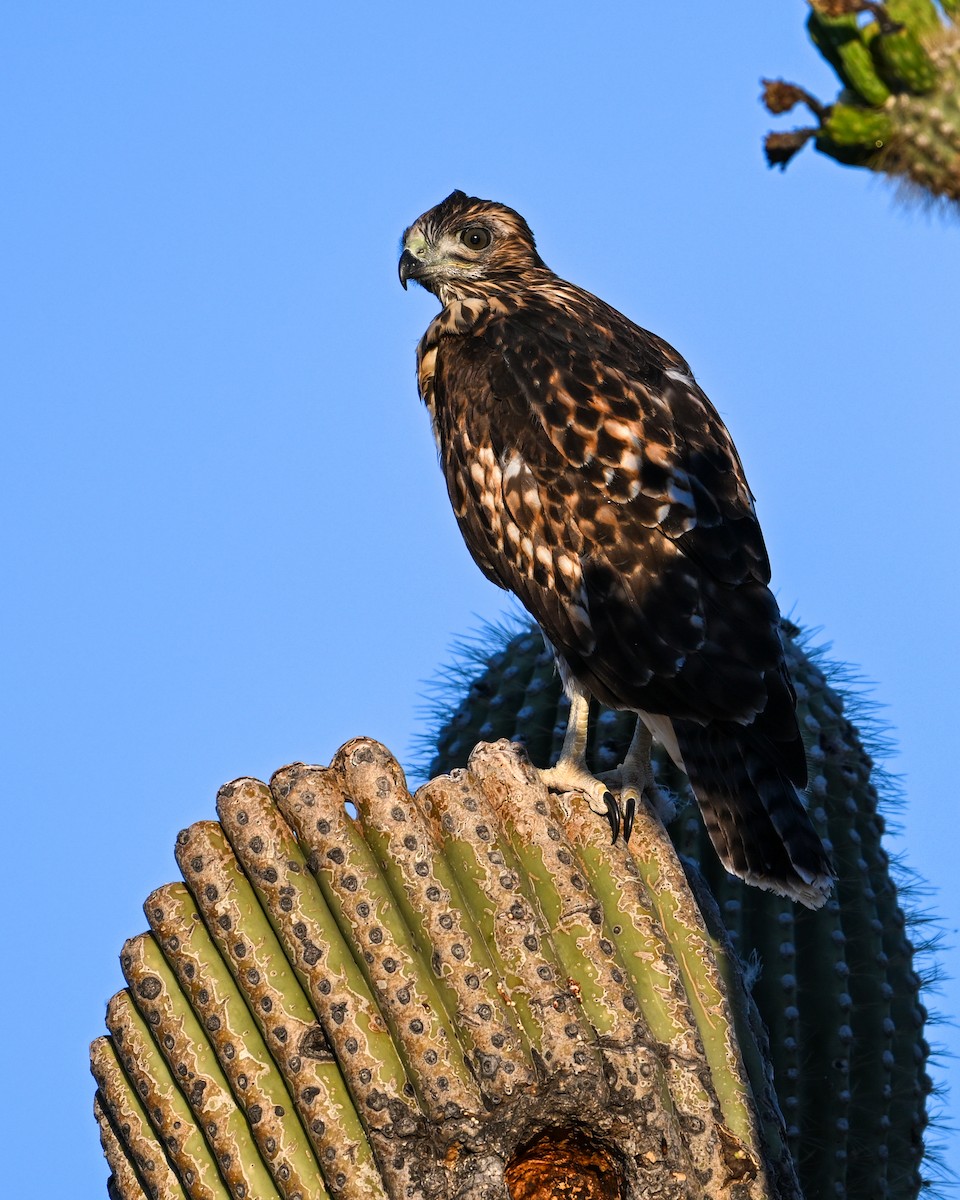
x: 612, y: 794
x: 572, y: 776
x: 633, y: 779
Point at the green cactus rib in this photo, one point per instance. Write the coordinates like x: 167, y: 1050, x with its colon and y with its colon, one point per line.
x: 751, y: 1034
x: 622, y: 961
x: 143, y: 1064
x: 836, y: 989
x: 653, y: 863
x: 426, y: 890
x: 129, y: 1136
x: 290, y: 972
x: 863, y: 1025
x: 233, y: 1137
x: 360, y: 899
x: 237, y: 1041
x: 888, y: 1050
x: 770, y: 931
x: 124, y: 1183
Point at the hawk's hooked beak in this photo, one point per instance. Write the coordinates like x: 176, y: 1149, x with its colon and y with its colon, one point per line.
x: 409, y: 267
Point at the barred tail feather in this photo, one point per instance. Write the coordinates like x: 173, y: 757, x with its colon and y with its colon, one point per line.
x: 753, y: 812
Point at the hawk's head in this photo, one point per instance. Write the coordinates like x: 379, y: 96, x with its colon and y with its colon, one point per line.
x: 466, y: 247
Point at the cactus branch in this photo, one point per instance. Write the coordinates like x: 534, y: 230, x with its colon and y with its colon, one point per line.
x: 899, y: 110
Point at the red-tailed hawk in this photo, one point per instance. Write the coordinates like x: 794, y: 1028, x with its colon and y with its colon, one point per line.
x: 592, y: 477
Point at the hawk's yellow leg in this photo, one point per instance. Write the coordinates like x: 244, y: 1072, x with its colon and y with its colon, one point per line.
x: 632, y: 779
x: 635, y: 778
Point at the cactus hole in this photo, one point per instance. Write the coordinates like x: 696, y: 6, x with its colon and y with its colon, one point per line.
x: 564, y: 1163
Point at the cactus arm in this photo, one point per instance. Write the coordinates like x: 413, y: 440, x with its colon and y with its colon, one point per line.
x: 603, y: 1095
x: 899, y: 112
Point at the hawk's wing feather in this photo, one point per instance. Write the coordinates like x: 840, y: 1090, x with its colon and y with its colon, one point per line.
x: 595, y: 449
x: 622, y: 408
x: 592, y: 477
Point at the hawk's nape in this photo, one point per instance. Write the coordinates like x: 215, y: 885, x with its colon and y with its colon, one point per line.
x: 592, y: 477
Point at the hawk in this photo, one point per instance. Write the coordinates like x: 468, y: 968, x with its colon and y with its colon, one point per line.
x: 592, y: 477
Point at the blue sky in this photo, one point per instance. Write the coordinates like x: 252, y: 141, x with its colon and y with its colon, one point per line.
x: 228, y: 539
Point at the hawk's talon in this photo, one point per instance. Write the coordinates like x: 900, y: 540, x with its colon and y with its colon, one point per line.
x: 613, y: 816
x: 631, y: 812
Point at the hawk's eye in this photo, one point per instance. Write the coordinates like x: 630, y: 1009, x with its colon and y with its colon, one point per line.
x: 476, y: 237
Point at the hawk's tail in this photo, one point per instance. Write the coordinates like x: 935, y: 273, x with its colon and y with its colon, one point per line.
x: 753, y: 812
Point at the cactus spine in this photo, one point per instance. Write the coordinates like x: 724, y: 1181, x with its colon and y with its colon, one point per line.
x: 899, y: 108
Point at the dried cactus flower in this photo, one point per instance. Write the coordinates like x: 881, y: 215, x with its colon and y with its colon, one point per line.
x: 898, y: 112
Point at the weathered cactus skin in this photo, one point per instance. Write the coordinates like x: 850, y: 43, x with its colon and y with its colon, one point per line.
x: 836, y: 988
x: 362, y: 992
x: 899, y: 110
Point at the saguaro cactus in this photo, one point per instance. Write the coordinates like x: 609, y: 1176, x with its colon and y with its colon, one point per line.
x: 836, y: 988
x: 899, y: 108
x: 469, y: 993
x: 463, y: 993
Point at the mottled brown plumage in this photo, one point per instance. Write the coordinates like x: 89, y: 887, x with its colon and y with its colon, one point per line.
x: 593, y: 478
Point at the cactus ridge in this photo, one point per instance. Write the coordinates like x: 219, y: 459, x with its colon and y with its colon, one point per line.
x: 898, y: 112
x: 359, y: 991
x: 838, y: 989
